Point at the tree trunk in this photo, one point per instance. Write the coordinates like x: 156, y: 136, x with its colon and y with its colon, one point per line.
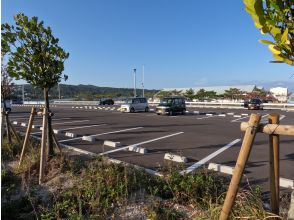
x: 7, y: 122
x: 49, y: 125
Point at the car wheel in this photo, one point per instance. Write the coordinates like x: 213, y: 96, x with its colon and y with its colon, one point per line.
x: 132, y: 110
x: 146, y: 109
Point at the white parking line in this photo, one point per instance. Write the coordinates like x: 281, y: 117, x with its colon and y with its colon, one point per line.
x: 207, y: 117
x: 58, y: 119
x: 209, y: 157
x: 70, y: 122
x: 95, y: 135
x: 264, y: 119
x: 141, y: 143
x: 73, y: 128
x: 238, y: 119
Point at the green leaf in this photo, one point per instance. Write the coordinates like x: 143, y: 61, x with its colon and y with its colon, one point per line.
x: 266, y: 42
x: 274, y: 49
x: 284, y: 37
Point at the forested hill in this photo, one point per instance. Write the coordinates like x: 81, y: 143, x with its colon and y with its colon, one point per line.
x: 79, y: 92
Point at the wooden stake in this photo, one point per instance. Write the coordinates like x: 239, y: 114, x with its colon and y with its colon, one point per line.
x: 27, y: 136
x: 240, y: 165
x: 56, y: 142
x: 43, y: 147
x: 274, y: 156
x: 7, y: 128
x: 14, y: 133
x: 272, y: 128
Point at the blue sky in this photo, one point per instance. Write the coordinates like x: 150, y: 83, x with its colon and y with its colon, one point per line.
x: 181, y: 43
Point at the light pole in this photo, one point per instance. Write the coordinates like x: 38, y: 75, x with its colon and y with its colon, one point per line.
x: 135, y: 94
x: 143, y: 80
x: 59, y: 91
x: 23, y: 97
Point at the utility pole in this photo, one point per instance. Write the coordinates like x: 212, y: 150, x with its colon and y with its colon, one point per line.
x: 143, y: 80
x: 59, y: 91
x: 135, y: 93
x: 23, y: 98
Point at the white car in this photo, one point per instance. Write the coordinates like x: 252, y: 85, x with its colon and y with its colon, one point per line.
x: 135, y: 105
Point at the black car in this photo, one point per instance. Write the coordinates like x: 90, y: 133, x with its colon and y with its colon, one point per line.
x: 255, y: 104
x: 171, y: 105
x: 106, y: 102
x: 245, y: 104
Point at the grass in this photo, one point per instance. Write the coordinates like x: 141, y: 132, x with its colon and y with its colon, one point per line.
x: 98, y: 189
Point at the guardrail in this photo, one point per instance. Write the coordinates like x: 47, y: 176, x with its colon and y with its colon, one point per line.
x: 191, y: 104
x: 238, y: 105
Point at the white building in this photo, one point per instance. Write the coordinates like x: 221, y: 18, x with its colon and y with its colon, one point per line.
x: 280, y: 93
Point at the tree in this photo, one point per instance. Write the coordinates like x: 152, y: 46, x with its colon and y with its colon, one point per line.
x: 6, y: 83
x: 276, y: 18
x: 176, y: 92
x: 233, y: 93
x: 162, y: 94
x: 35, y: 56
x: 201, y: 94
x: 190, y: 94
x: 211, y: 94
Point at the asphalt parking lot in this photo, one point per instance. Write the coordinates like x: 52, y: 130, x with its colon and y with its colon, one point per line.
x: 202, y: 136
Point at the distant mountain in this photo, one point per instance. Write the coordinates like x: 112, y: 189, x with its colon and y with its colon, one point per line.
x: 79, y: 92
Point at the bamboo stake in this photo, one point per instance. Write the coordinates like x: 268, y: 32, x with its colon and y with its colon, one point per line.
x: 14, y: 133
x: 43, y: 147
x: 56, y: 142
x: 240, y: 165
x: 274, y: 155
x: 7, y: 127
x: 272, y: 128
x: 27, y: 136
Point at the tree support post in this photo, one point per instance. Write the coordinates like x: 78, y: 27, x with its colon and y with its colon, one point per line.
x: 274, y: 156
x: 7, y: 127
x: 27, y: 136
x: 43, y: 147
x: 14, y: 133
x: 240, y: 165
x: 56, y: 142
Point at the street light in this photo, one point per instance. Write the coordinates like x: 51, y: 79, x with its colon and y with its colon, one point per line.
x: 135, y: 94
x: 143, y: 80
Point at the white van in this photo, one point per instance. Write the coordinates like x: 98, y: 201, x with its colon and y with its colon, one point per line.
x: 135, y: 105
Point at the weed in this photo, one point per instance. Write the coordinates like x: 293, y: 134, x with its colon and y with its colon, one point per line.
x: 9, y: 151
x: 9, y: 182
x: 161, y: 210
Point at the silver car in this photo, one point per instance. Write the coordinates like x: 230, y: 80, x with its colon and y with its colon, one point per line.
x: 135, y: 105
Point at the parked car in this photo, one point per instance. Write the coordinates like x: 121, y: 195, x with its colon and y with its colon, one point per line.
x: 245, y: 103
x: 135, y: 105
x: 7, y: 105
x: 255, y: 103
x: 106, y: 102
x: 171, y: 105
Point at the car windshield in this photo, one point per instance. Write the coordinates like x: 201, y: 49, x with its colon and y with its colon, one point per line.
x: 166, y: 102
x: 128, y: 101
x: 254, y: 101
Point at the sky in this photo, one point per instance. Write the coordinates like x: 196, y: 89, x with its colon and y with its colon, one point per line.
x: 181, y: 43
